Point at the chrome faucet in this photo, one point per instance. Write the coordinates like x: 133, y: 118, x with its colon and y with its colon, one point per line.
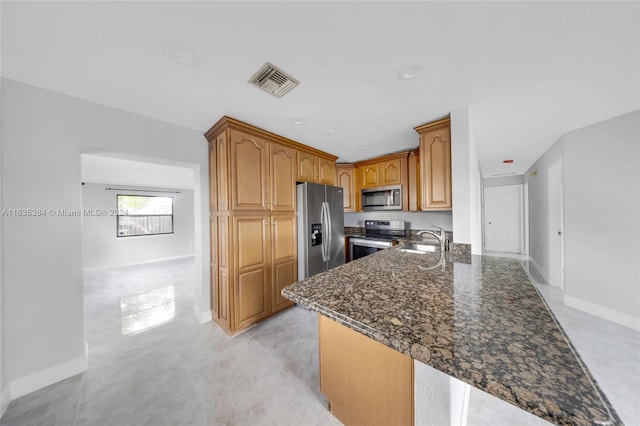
x: 440, y: 237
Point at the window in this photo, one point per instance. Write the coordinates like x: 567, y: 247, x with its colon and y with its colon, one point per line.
x: 144, y: 215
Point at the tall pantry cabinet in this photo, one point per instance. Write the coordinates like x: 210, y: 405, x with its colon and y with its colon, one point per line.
x: 252, y: 177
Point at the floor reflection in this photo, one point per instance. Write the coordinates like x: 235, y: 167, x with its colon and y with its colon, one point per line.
x: 147, y: 310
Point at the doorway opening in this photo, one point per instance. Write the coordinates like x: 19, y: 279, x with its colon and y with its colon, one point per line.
x: 136, y: 282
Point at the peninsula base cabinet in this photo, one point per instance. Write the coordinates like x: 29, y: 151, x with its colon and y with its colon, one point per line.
x: 365, y: 382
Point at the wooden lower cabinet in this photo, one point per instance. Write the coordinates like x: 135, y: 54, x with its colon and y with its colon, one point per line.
x: 252, y: 265
x: 284, y: 257
x: 365, y: 381
x: 248, y: 275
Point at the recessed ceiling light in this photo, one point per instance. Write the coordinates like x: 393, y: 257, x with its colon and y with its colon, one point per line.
x: 329, y: 131
x: 363, y: 146
x: 410, y: 71
x: 298, y: 121
x: 181, y: 53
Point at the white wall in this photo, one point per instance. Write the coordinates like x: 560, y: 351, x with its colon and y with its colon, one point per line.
x: 4, y: 388
x: 539, y: 206
x: 602, y: 218
x: 503, y: 180
x: 416, y: 220
x: 466, y: 182
x: 461, y: 176
x: 103, y: 249
x: 601, y: 195
x: 43, y: 135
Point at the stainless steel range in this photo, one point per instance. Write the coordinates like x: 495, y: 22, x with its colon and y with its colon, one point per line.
x: 379, y: 235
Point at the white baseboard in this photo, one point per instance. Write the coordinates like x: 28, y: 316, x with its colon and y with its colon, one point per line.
x: 49, y: 376
x: 202, y: 316
x: 602, y: 312
x: 539, y: 270
x: 5, y: 399
x: 145, y: 262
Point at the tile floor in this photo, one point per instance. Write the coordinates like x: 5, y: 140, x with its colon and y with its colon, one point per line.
x: 163, y: 368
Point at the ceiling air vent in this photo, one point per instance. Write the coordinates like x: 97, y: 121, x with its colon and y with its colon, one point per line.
x: 273, y: 80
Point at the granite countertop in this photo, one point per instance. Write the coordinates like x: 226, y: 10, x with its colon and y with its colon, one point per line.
x: 482, y: 322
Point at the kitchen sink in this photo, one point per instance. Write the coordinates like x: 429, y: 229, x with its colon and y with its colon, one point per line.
x: 418, y: 248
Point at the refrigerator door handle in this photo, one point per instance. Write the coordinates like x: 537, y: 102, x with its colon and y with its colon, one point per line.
x: 325, y: 231
x: 329, y: 231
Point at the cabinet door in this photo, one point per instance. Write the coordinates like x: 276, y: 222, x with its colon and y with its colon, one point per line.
x: 307, y: 167
x: 252, y: 279
x: 249, y: 170
x: 215, y: 285
x: 435, y: 167
x: 223, y: 291
x: 327, y: 171
x: 213, y: 177
x: 390, y: 172
x: 369, y: 176
x: 283, y: 177
x: 284, y: 255
x: 222, y: 171
x: 345, y: 179
x: 366, y: 382
x: 414, y: 181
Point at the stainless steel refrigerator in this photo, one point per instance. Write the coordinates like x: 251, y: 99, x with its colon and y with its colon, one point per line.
x: 320, y: 228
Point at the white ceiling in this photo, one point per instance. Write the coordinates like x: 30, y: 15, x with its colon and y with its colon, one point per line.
x: 527, y: 72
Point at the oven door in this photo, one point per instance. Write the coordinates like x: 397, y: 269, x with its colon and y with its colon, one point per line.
x: 361, y: 247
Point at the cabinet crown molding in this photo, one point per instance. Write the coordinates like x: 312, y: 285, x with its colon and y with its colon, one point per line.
x: 401, y: 154
x: 227, y: 122
x: 433, y: 124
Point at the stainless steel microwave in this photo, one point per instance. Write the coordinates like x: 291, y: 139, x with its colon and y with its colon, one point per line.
x: 382, y: 198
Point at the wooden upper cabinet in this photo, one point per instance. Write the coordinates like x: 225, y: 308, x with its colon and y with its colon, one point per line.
x: 222, y: 182
x: 312, y: 168
x: 345, y: 178
x: 327, y: 174
x: 383, y: 173
x: 391, y: 172
x: 413, y: 167
x: 307, y: 167
x: 369, y: 176
x: 282, y: 161
x: 249, y: 172
x: 213, y: 177
x: 435, y: 165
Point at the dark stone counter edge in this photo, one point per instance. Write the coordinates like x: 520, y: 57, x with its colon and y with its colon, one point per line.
x: 526, y: 405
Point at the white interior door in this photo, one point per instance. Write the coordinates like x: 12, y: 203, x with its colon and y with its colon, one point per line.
x: 503, y: 218
x: 556, y: 257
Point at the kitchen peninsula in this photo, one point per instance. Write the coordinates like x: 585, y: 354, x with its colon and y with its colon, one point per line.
x: 480, y: 321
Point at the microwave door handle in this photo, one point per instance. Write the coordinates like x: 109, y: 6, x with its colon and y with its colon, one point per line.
x: 391, y: 196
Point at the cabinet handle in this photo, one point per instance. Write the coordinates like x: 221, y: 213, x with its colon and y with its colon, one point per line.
x: 266, y: 222
x: 275, y: 222
x: 273, y: 202
x: 265, y: 202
